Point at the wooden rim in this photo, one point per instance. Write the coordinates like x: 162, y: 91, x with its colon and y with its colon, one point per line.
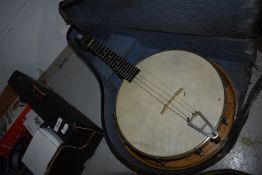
x: 210, y: 147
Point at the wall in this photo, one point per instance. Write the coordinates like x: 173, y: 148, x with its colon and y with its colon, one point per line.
x: 32, y: 34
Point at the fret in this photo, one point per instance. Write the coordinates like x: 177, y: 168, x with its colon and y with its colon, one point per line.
x: 101, y: 50
x: 87, y: 45
x: 110, y: 57
x: 105, y: 52
x: 130, y: 67
x: 107, y: 57
x: 94, y: 46
x: 122, y: 66
x: 121, y: 60
x: 131, y: 73
x: 134, y: 75
x: 122, y: 69
x: 127, y: 68
x: 113, y: 60
x: 86, y: 41
x: 117, y: 61
x: 98, y: 47
x: 90, y: 43
x: 119, y: 64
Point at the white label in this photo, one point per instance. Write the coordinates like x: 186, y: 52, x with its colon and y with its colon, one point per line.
x: 65, y: 128
x: 32, y: 122
x: 58, y: 124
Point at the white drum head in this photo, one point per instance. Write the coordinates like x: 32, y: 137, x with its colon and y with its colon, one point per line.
x: 139, y: 108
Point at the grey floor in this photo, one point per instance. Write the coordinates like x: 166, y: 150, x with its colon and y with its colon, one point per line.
x: 247, y: 153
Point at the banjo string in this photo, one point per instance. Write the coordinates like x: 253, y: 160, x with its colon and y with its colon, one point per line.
x: 168, y: 95
x: 159, y: 100
x: 165, y: 99
x: 155, y: 78
x: 163, y: 85
x: 185, y: 105
x: 149, y: 88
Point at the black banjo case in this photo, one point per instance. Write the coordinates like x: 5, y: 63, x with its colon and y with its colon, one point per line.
x: 222, y: 31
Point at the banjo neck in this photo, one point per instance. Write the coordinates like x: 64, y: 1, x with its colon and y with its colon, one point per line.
x: 120, y: 65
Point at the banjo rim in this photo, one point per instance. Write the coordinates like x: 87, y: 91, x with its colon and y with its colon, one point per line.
x: 137, y: 153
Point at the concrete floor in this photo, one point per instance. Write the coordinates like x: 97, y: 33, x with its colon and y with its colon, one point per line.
x: 247, y: 152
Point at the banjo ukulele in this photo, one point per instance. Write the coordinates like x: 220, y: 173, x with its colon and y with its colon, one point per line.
x: 173, y: 111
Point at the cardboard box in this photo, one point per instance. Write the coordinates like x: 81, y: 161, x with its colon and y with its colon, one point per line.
x: 79, y: 136
x: 40, y: 151
x: 13, y: 113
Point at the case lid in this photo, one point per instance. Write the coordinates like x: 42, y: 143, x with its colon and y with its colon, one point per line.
x: 238, y: 18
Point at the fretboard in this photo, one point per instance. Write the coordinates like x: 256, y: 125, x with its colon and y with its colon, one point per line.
x: 119, y: 64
